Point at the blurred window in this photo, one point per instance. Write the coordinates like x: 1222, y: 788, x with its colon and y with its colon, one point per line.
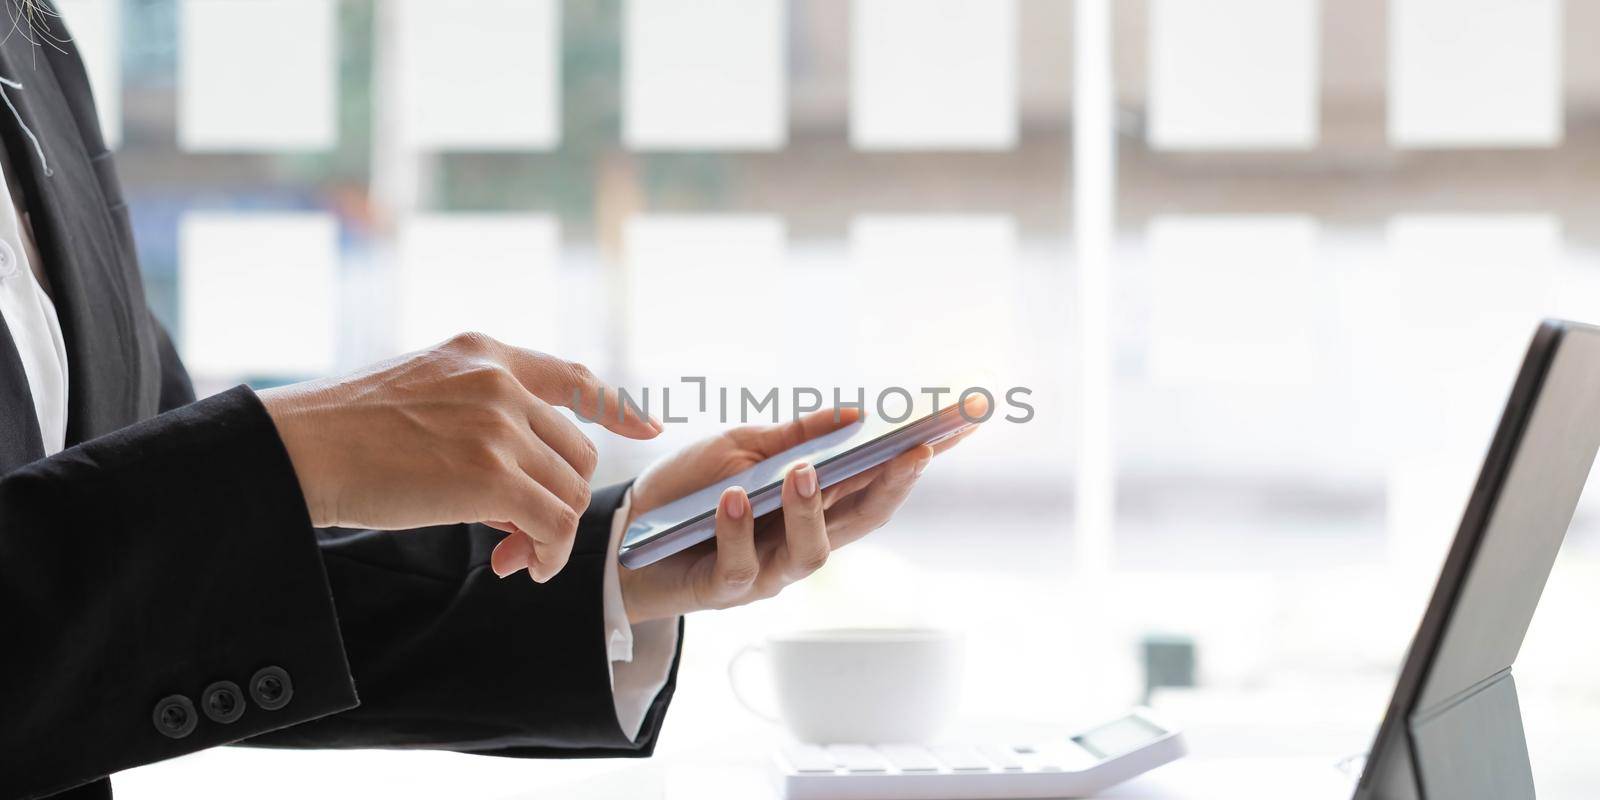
x: 493, y: 273
x: 1236, y: 74
x: 478, y: 74
x: 933, y: 74
x: 705, y: 75
x: 257, y: 75
x: 260, y: 293
x: 1475, y: 72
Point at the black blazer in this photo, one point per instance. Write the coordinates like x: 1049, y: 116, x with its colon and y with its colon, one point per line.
x: 161, y: 587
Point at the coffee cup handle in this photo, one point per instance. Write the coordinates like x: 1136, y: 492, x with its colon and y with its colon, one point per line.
x: 733, y: 681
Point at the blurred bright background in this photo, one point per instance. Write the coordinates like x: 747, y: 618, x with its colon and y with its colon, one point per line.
x: 1267, y: 266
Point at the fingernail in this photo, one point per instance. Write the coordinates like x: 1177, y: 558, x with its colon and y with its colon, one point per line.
x: 733, y: 503
x: 655, y: 423
x: 805, y: 480
x: 501, y: 573
x: 922, y: 464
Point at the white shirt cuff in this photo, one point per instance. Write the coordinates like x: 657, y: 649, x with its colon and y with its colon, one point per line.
x: 640, y: 655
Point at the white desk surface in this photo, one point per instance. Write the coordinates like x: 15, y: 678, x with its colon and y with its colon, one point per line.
x: 1309, y: 778
x: 732, y: 772
x: 1193, y: 778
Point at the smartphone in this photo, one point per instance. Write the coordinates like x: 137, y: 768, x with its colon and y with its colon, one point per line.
x: 837, y: 456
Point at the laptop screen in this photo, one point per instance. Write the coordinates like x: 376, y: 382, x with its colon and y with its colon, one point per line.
x: 1457, y: 669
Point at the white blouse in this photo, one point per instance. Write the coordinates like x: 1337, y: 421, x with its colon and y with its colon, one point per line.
x: 29, y: 314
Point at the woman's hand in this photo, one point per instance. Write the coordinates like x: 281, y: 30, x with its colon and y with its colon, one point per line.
x: 463, y: 432
x: 752, y: 559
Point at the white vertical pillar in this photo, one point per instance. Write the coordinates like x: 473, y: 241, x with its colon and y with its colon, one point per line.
x: 1089, y: 584
x: 400, y: 177
x: 398, y: 171
x: 1093, y: 182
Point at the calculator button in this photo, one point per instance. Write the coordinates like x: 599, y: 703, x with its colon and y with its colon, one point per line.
x: 909, y: 757
x: 1063, y: 755
x: 806, y: 758
x: 1003, y: 757
x: 961, y: 758
x: 857, y: 758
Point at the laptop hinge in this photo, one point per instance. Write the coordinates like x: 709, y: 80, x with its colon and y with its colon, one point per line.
x: 1472, y: 747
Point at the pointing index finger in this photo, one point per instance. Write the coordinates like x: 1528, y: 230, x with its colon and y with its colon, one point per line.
x: 573, y: 385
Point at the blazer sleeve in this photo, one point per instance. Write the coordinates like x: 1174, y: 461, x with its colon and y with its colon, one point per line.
x: 163, y: 592
x: 449, y: 656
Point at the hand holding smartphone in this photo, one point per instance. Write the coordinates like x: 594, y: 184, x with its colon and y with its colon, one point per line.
x: 837, y: 456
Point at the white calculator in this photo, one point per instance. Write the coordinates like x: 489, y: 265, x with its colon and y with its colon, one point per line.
x: 1069, y: 766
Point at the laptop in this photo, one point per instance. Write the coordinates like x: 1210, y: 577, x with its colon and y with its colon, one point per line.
x: 1453, y: 728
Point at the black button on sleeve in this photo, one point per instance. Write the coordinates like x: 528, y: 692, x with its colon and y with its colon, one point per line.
x: 174, y: 716
x: 271, y: 688
x: 222, y: 702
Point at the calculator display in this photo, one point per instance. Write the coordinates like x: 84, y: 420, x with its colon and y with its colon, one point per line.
x: 1116, y: 738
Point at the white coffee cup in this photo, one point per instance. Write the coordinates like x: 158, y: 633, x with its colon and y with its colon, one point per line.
x: 860, y: 685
